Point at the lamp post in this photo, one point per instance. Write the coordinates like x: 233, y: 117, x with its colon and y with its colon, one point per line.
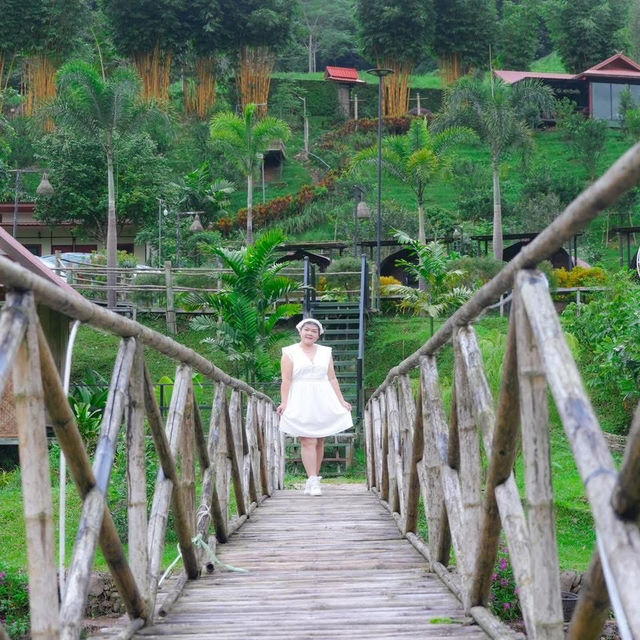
x: 44, y: 189
x: 360, y: 211
x: 162, y: 212
x: 196, y: 226
x: 305, y: 124
x: 380, y: 73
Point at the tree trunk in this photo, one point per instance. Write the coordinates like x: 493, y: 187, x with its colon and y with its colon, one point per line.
x: 250, y: 209
x: 311, y: 65
x: 112, y: 231
x: 497, y: 213
x: 396, y: 87
x: 254, y: 78
x: 422, y: 239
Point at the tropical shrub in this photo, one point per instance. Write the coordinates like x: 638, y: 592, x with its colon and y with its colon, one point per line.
x: 348, y: 270
x: 14, y: 602
x: 475, y: 270
x: 605, y: 332
x: 580, y: 277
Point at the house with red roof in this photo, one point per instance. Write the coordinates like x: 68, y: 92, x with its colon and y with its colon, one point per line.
x: 346, y: 78
x: 595, y: 91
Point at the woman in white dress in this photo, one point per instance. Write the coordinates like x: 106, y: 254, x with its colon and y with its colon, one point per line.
x: 312, y: 405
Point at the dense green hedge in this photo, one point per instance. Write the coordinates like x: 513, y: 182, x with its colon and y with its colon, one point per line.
x: 322, y: 97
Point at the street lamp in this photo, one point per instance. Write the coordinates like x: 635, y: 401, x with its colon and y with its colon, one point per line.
x: 196, y: 225
x: 360, y: 211
x: 162, y: 212
x: 380, y: 73
x: 44, y: 189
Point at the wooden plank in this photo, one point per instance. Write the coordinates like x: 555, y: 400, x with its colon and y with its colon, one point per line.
x: 137, y: 474
x: 384, y: 455
x: 377, y: 442
x: 536, y: 448
x: 34, y: 474
x: 221, y: 463
x: 413, y: 460
x: 394, y: 460
x: 345, y: 589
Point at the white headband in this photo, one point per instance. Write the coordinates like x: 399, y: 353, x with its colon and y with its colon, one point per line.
x: 312, y: 321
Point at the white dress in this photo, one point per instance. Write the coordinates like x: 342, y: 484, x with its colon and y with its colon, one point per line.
x: 313, y: 409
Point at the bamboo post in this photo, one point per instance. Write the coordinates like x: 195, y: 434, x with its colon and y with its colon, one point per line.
x: 200, y: 439
x: 369, y: 447
x: 13, y: 324
x: 187, y: 481
x: 384, y: 454
x: 72, y: 610
x: 376, y: 421
x: 618, y: 541
x: 262, y: 447
x: 502, y: 452
x: 626, y: 495
x: 435, y: 457
x: 412, y: 479
x: 171, y: 312
x: 394, y: 462
x: 136, y: 474
x: 234, y: 435
x: 470, y: 470
x: 166, y: 490
x: 71, y: 443
x: 536, y: 448
x: 34, y: 473
x: 252, y: 477
x: 221, y: 461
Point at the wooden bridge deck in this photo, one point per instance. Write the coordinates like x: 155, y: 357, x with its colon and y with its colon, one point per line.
x: 324, y: 567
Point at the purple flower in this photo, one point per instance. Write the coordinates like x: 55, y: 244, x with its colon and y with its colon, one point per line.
x: 506, y: 606
x: 3, y: 575
x: 494, y: 577
x: 516, y: 591
x: 503, y: 564
x: 504, y: 582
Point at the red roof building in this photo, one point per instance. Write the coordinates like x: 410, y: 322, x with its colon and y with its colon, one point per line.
x: 347, y: 75
x: 596, y: 91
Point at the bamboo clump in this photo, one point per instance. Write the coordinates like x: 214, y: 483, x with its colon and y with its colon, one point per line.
x: 396, y: 88
x: 154, y: 68
x: 254, y: 77
x: 200, y: 95
x: 450, y: 68
x: 38, y: 82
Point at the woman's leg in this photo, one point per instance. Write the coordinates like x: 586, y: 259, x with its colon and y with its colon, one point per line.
x: 319, y: 454
x: 308, y: 453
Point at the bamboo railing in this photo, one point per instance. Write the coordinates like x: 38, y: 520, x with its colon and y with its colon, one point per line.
x: 461, y: 469
x: 243, y: 449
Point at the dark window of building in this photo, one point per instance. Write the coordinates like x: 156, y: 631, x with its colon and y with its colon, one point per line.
x: 36, y: 249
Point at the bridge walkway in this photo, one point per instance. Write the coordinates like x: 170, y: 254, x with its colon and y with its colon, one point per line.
x: 319, y: 568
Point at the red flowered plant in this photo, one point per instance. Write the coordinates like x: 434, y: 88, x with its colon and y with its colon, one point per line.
x: 504, y: 593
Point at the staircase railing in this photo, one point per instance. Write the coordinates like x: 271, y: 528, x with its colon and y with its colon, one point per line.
x: 414, y: 454
x: 244, y: 449
x: 363, y: 308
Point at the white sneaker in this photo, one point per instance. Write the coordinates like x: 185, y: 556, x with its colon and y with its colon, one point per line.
x: 307, y: 487
x: 314, y: 488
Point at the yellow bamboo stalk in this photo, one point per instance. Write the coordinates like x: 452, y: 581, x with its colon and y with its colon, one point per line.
x: 254, y: 77
x: 154, y: 68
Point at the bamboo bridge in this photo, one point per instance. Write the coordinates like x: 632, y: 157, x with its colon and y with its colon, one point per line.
x: 349, y: 564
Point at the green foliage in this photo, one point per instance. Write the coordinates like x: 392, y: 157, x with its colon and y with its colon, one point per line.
x: 88, y: 401
x: 348, y: 268
x: 255, y: 23
x: 520, y: 36
x: 442, y: 293
x: 588, y: 143
x: 503, y: 598
x: 475, y: 271
x: 245, y: 311
x: 586, y: 32
x: 397, y: 30
x: 464, y: 28
x: 14, y: 601
x: 606, y: 333
x: 138, y: 27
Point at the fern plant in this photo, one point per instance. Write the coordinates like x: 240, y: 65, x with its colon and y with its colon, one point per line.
x: 442, y: 293
x: 248, y: 308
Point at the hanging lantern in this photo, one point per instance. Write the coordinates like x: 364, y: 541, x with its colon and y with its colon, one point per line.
x: 196, y: 225
x: 44, y: 190
x: 362, y: 210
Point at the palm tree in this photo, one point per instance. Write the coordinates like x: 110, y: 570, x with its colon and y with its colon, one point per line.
x: 502, y: 116
x: 244, y: 139
x: 102, y: 107
x: 417, y: 158
x: 247, y: 309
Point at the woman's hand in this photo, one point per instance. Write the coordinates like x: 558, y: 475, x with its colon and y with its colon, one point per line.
x: 281, y: 409
x: 345, y: 404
